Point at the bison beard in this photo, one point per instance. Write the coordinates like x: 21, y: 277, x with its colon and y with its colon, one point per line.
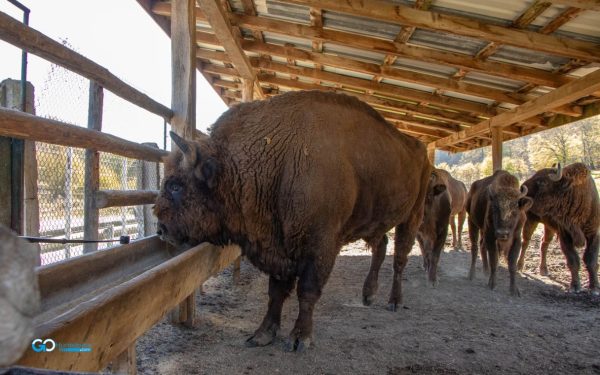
x: 292, y: 179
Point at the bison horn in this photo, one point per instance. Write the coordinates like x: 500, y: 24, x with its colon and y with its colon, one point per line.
x: 180, y: 142
x: 523, y: 190
x: 558, y: 175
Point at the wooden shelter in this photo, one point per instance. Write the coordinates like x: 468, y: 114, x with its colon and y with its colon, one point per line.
x: 456, y: 74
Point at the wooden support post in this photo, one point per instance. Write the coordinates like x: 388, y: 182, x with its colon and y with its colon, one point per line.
x: 150, y: 181
x: 92, y: 170
x: 126, y: 362
x: 10, y: 97
x: 247, y: 90
x: 497, y: 148
x: 183, y: 102
x: 431, y: 154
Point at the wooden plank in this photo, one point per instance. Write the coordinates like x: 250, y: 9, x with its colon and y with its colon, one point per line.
x: 583, y: 4
x: 120, y: 198
x: 566, y: 94
x: 24, y: 126
x: 496, y: 149
x: 460, y: 25
x: 183, y: 68
x: 219, y: 21
x: 64, y: 282
x: 126, y: 363
x: 32, y: 41
x: 92, y: 170
x: 115, y: 318
x: 531, y: 13
x: 566, y: 16
x: 247, y: 90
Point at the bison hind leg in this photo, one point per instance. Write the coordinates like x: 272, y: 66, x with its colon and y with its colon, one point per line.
x: 370, y: 286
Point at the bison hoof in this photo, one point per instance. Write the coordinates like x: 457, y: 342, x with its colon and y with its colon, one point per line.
x: 515, y: 292
x: 433, y: 283
x: 595, y: 292
x: 297, y: 345
x: 260, y: 338
x: 574, y: 289
x: 393, y: 307
x: 544, y: 271
x: 471, y: 274
x: 368, y: 300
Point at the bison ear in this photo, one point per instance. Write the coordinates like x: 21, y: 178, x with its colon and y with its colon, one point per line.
x: 525, y: 203
x: 208, y: 172
x: 439, y: 189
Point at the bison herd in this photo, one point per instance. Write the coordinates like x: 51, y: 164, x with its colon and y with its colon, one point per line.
x: 293, y: 178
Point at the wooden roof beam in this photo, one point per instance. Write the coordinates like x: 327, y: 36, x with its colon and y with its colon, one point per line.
x: 460, y: 25
x: 561, y: 19
x: 566, y: 94
x: 219, y: 21
x: 457, y: 60
x: 583, y: 4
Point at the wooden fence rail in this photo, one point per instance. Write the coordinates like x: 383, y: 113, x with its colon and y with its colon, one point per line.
x: 24, y: 126
x: 119, y: 198
x: 31, y: 40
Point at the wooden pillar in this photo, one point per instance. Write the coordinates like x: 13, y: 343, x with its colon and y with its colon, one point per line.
x: 92, y: 170
x: 183, y: 102
x: 10, y: 97
x: 150, y: 181
x: 496, y: 148
x: 247, y: 90
x: 126, y: 362
x: 431, y: 154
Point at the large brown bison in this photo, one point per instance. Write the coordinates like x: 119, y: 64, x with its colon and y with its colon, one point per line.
x: 458, y: 195
x: 434, y: 228
x: 291, y: 179
x: 566, y: 201
x: 496, y: 208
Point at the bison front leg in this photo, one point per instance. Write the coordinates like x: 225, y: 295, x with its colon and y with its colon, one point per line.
x: 279, y: 291
x: 568, y: 249
x: 548, y: 236
x: 371, y: 282
x: 462, y: 215
x: 474, y: 237
x: 513, y: 254
x: 492, y: 251
x: 590, y: 257
x: 403, y: 242
x: 435, y: 256
x: 528, y: 229
x: 312, y: 279
x: 454, y: 234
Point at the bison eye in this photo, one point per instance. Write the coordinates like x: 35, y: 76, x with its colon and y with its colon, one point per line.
x: 174, y: 188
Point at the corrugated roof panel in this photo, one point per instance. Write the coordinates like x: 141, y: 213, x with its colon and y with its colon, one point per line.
x: 586, y: 23
x: 305, y: 64
x: 548, y: 15
x: 353, y: 53
x: 493, y: 11
x: 470, y: 98
x: 424, y: 67
x: 493, y: 81
x: 279, y: 59
x: 236, y: 5
x: 348, y: 73
x: 281, y: 40
x: 533, y: 59
x: 360, y: 25
x: 414, y: 86
x: 584, y: 71
x: 447, y: 42
x: 283, y: 11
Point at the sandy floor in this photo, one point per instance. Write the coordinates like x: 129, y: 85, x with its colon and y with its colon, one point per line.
x: 460, y: 327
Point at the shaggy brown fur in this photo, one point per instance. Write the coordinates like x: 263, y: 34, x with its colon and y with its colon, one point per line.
x: 458, y: 195
x: 496, y: 210
x: 291, y: 179
x: 569, y: 206
x: 434, y: 228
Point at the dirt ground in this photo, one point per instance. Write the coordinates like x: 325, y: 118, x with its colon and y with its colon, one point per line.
x: 459, y: 327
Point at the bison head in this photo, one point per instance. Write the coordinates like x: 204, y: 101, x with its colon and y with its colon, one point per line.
x: 508, y: 205
x: 551, y: 182
x: 188, y: 207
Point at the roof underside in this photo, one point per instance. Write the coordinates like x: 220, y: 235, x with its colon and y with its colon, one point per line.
x: 426, y: 73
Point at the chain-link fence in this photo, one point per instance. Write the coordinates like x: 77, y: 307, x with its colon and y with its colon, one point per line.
x: 64, y: 96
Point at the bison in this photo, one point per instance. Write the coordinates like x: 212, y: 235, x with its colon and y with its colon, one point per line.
x: 291, y: 179
x: 458, y: 195
x: 434, y: 228
x: 566, y: 201
x: 496, y: 208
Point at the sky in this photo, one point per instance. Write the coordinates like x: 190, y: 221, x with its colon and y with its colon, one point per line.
x: 119, y: 35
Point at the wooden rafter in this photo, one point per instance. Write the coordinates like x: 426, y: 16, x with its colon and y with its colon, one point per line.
x: 561, y: 19
x: 219, y: 21
x: 404, y: 15
x: 583, y: 4
x: 572, y: 91
x: 369, y: 43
